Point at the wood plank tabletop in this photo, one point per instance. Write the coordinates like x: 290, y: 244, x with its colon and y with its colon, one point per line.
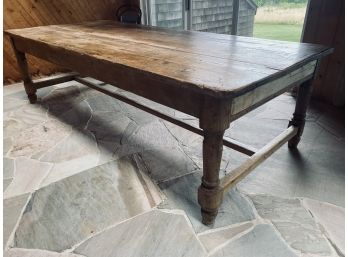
x: 216, y: 64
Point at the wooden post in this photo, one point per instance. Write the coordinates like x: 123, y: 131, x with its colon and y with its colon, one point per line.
x: 214, y: 120
x: 30, y: 89
x: 235, y: 16
x: 299, y: 116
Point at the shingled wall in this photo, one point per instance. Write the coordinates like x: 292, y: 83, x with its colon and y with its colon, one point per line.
x: 207, y: 15
x: 167, y: 13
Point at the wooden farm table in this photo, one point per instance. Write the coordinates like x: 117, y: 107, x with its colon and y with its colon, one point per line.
x: 216, y: 78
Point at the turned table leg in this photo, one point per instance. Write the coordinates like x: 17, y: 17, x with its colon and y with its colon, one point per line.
x: 214, y: 120
x: 210, y: 193
x: 23, y: 68
x: 299, y: 116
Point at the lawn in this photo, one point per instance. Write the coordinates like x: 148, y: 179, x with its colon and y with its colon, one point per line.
x: 286, y: 32
x: 281, y: 22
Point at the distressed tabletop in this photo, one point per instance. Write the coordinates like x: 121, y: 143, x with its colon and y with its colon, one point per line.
x: 214, y: 64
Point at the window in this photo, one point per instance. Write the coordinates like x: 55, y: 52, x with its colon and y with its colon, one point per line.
x: 273, y: 19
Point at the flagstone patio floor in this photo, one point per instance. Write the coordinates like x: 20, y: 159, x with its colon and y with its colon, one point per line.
x: 87, y: 175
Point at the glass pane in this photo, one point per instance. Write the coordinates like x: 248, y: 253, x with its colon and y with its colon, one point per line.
x: 280, y: 19
x: 166, y: 13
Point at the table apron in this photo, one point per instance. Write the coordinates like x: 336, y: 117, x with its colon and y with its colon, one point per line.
x: 251, y: 100
x: 138, y: 82
x: 159, y: 90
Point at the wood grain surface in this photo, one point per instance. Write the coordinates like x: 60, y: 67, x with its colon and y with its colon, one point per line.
x: 220, y: 65
x: 32, y: 13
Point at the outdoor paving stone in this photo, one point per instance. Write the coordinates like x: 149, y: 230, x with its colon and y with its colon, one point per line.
x: 68, y: 211
x: 155, y: 233
x: 7, y: 145
x: 332, y: 120
x: 11, y: 104
x: 19, y: 93
x: 303, y: 238
x: 12, y: 127
x: 184, y: 116
x: 78, y: 116
x: 181, y: 193
x: 184, y: 136
x: 151, y: 136
x: 6, y: 183
x: 328, y: 154
x: 331, y: 220
x: 159, y: 149
x: 13, y: 89
x: 16, y: 252
x: 282, y: 108
x: 30, y: 115
x: 146, y: 102
x: 262, y: 241
x: 104, y: 103
x: 28, y: 176
x: 214, y: 238
x: 294, y: 223
x: 38, y: 139
x: 303, y: 173
x: 192, y: 145
x: 108, y: 126
x: 268, y: 178
x: 62, y: 99
x: 107, y: 150
x: 8, y: 168
x: 12, y: 210
x: 78, y: 144
x: 247, y: 130
x: 166, y: 163
x: 71, y: 167
x: 327, y: 187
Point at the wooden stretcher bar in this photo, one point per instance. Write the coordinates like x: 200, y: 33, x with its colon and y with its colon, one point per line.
x: 233, y: 177
x: 228, y: 142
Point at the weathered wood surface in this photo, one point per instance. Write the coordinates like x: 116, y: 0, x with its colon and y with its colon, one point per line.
x: 219, y: 65
x: 233, y: 177
x: 32, y: 13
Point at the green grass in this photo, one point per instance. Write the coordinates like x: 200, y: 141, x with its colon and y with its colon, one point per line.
x: 286, y: 32
x: 290, y: 5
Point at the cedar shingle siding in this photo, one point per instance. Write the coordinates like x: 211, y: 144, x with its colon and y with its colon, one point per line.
x: 207, y: 15
x: 167, y: 13
x: 247, y: 11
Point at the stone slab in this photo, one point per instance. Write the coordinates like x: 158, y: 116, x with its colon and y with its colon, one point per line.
x: 154, y: 234
x: 28, y: 176
x: 332, y: 221
x: 38, y: 139
x: 214, y: 238
x: 8, y: 168
x: 294, y: 222
x: 262, y: 241
x: 12, y: 210
x: 66, y: 212
x: 15, y: 252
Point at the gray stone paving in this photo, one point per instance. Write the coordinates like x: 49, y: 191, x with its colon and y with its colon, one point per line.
x: 87, y: 175
x: 262, y: 241
x: 155, y: 233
